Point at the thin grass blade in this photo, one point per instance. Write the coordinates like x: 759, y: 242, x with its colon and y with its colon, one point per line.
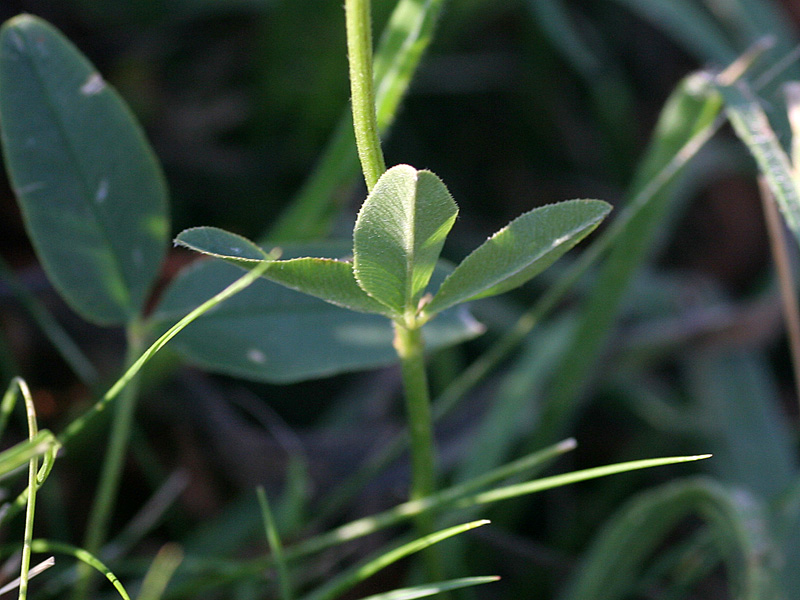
x: 343, y: 582
x: 275, y: 545
x: 160, y: 572
x: 49, y: 546
x: 431, y: 589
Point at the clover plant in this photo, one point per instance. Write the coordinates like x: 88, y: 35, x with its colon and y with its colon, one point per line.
x: 94, y: 202
x: 397, y: 239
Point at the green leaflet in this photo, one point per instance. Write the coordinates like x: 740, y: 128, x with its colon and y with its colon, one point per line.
x: 520, y: 251
x: 399, y: 234
x: 325, y: 278
x: 91, y: 192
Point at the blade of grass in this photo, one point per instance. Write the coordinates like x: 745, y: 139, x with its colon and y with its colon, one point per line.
x: 430, y: 589
x: 160, y: 572
x: 33, y: 470
x: 215, y: 573
x: 21, y: 453
x: 691, y: 109
x: 275, y: 545
x: 79, y: 424
x: 345, y: 581
x: 41, y: 545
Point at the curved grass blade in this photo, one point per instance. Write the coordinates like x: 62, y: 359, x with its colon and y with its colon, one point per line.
x: 520, y: 251
x: 20, y: 453
x: 408, y: 510
x: 41, y: 545
x: 399, y: 234
x: 737, y: 521
x: 91, y: 192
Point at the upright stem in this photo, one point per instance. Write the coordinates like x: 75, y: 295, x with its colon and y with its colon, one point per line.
x: 410, y: 349
x: 106, y: 495
x: 365, y: 122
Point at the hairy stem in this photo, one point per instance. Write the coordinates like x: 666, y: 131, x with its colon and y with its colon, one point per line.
x: 365, y: 123
x: 411, y: 349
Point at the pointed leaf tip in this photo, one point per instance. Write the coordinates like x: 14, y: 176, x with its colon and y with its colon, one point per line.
x: 219, y: 243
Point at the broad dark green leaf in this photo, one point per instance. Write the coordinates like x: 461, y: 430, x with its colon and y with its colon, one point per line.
x: 91, y: 192
x: 520, y: 251
x: 271, y: 333
x: 399, y: 234
x: 325, y: 278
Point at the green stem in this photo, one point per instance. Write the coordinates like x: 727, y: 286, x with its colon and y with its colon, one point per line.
x: 33, y: 469
x: 119, y: 436
x: 365, y: 122
x: 410, y: 349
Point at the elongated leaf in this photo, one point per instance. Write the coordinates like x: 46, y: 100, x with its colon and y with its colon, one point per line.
x: 736, y: 519
x: 325, y: 278
x: 431, y: 589
x: 339, y: 584
x: 751, y: 125
x: 520, y: 251
x: 399, y: 234
x: 91, y: 192
x: 271, y: 333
